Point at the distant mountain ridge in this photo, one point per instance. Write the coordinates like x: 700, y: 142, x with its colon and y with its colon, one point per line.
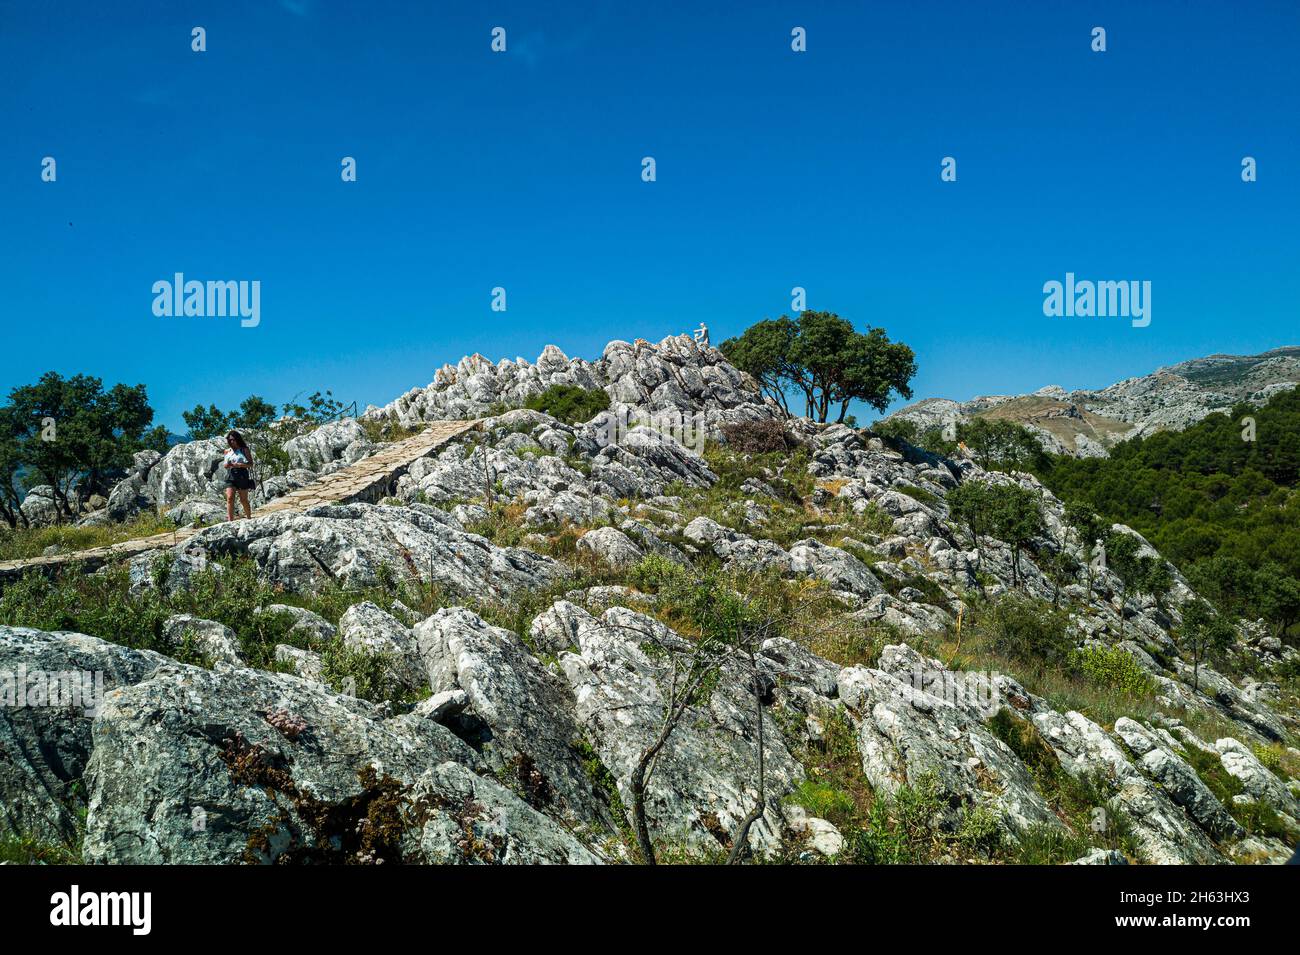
x: 1087, y: 423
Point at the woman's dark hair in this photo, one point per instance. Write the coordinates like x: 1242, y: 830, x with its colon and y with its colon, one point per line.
x: 238, y: 440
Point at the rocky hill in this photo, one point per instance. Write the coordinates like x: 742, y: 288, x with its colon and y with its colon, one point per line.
x: 1087, y: 423
x: 481, y: 667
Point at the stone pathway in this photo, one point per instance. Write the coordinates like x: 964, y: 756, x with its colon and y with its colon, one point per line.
x: 367, y: 480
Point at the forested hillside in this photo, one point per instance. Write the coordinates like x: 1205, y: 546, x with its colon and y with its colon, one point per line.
x: 1218, y: 499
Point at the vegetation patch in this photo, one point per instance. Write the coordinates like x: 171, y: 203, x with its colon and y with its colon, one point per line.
x: 569, y: 403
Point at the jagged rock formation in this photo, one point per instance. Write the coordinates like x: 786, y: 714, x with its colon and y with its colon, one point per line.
x: 678, y: 375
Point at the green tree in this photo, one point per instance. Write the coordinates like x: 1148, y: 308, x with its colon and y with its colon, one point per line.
x: 1229, y: 583
x: 1279, y: 598
x: 1138, y: 573
x: 1015, y: 515
x: 1203, y: 632
x: 206, y: 422
x: 10, y: 469
x: 766, y: 351
x: 823, y: 357
x: 74, y: 434
x: 320, y: 408
x: 968, y: 503
x: 254, y: 413
x: 999, y: 443
x: 1089, y: 528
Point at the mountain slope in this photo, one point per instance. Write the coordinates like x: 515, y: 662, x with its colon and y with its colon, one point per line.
x: 473, y: 669
x: 1087, y: 423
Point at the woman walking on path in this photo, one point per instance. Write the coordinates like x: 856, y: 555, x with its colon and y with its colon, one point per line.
x: 238, y: 463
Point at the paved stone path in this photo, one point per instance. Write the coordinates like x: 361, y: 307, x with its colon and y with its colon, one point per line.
x: 367, y: 480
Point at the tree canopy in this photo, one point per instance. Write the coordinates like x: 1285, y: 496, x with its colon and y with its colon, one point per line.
x: 72, y: 434
x: 824, y: 358
x: 211, y: 422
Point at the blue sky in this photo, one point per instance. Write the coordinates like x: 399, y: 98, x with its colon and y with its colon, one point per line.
x: 522, y: 170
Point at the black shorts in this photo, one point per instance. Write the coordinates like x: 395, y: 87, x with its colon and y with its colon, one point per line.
x: 239, y: 479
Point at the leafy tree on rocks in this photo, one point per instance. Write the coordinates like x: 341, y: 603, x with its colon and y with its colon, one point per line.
x: 970, y: 506
x: 1090, y: 529
x: 1203, y: 632
x: 1279, y: 598
x: 320, y: 408
x: 1001, y: 444
x: 10, y: 469
x: 74, y: 434
x: 766, y: 351
x: 1015, y: 516
x: 1062, y: 568
x: 1138, y: 573
x: 211, y: 422
x: 825, y: 358
x: 1229, y: 583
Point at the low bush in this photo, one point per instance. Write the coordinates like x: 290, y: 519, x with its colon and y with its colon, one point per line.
x: 1023, y: 629
x: 1113, y: 668
x: 758, y: 437
x: 569, y: 403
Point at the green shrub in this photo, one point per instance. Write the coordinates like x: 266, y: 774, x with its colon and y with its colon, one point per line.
x: 1024, y: 629
x: 356, y: 672
x: 569, y: 403
x: 917, y: 494
x: 1270, y: 756
x: 27, y: 850
x: 26, y: 542
x: 1113, y: 668
x: 825, y: 801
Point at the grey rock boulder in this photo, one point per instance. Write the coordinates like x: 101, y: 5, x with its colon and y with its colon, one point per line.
x: 611, y: 546
x: 837, y: 567
x: 1177, y: 778
x: 44, y: 749
x: 348, y: 544
x: 1165, y: 833
x: 704, y: 780
x: 213, y: 642
x: 342, y: 440
x: 305, y: 624
x: 211, y: 767
x: 472, y: 820
x: 1255, y: 778
x: 519, y: 714
x: 908, y: 736
x: 39, y: 507
x: 367, y: 628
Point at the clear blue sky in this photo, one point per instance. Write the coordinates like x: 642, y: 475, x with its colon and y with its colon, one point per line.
x: 522, y: 170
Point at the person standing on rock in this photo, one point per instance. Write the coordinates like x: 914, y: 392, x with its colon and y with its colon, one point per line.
x: 238, y: 463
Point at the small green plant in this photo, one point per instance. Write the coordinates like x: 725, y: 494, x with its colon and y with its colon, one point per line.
x: 1024, y: 629
x: 1113, y: 668
x: 917, y: 494
x: 26, y: 542
x: 569, y: 403
x: 1270, y: 755
x: 824, y: 800
x: 356, y: 672
x: 28, y: 850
